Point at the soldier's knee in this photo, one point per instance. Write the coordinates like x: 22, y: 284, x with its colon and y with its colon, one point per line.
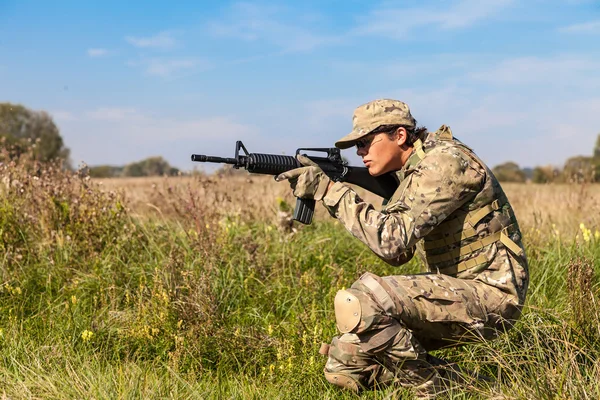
x: 348, y: 311
x: 366, y: 303
x: 347, y: 365
x: 344, y: 381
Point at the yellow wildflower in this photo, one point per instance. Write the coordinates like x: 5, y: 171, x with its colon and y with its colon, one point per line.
x: 586, y: 235
x: 86, y: 335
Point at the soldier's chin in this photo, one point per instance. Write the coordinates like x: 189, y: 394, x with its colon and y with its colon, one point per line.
x: 373, y: 171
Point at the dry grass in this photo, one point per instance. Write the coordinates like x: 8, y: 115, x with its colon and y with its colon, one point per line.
x: 552, y: 207
x: 198, y: 295
x: 547, y: 208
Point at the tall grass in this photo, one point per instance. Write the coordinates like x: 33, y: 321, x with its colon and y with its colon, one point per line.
x: 194, y: 289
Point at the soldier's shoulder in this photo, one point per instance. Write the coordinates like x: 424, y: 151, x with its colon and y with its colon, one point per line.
x: 449, y: 157
x: 444, y: 151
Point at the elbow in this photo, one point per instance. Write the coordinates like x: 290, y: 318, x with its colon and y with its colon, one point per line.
x: 394, y: 262
x: 396, y: 259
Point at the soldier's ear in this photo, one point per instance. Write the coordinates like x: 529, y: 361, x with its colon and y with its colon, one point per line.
x: 401, y: 136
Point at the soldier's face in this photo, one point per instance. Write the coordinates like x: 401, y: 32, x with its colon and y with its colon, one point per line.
x: 382, y: 154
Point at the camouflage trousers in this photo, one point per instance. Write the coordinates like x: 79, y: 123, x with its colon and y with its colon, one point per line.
x: 388, y: 324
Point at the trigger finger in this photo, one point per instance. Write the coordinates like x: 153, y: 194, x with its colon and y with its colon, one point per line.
x: 293, y: 174
x: 304, y: 160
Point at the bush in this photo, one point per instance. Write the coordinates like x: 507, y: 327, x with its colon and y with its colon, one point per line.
x: 509, y: 172
x: 153, y: 166
x: 580, y: 169
x: 25, y: 129
x: 546, y: 174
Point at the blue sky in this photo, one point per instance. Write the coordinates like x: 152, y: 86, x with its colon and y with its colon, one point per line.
x: 514, y: 79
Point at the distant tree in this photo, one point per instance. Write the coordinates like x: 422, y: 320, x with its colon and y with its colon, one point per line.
x: 579, y: 169
x: 596, y: 160
x: 509, y: 172
x: 547, y: 174
x: 228, y: 170
x: 528, y: 171
x: 134, y: 169
x: 153, y: 166
x: 24, y: 128
x: 105, y: 171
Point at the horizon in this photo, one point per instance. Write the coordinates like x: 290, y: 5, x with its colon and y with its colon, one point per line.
x: 124, y: 82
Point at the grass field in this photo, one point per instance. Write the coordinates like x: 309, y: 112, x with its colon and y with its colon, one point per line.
x: 196, y: 287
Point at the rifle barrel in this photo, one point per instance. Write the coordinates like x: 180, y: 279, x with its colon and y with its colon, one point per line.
x: 203, y: 158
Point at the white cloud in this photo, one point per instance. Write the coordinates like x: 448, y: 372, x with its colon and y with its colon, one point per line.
x: 113, y: 114
x: 140, y: 124
x: 119, y: 135
x: 591, y: 27
x: 573, y: 70
x: 470, y: 12
x: 321, y: 115
x: 97, y: 52
x: 535, y: 110
x: 399, y: 22
x: 170, y: 68
x: 162, y: 40
x: 250, y: 22
x: 538, y: 129
x: 166, y: 68
x: 292, y: 31
x: 61, y: 116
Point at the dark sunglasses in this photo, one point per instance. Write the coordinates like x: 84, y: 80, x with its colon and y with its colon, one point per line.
x: 365, y: 142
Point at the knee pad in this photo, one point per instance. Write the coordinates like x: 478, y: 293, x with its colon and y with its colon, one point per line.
x: 342, y: 380
x: 347, y: 310
x: 358, y: 309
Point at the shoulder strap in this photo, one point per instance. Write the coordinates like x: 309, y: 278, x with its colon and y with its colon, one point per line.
x: 419, y: 149
x: 445, y: 133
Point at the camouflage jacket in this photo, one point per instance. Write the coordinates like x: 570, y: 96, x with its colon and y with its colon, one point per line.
x: 450, y: 208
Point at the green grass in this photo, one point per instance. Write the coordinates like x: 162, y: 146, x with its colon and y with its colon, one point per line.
x: 97, y: 304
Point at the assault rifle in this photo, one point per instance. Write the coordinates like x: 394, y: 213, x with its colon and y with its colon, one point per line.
x: 332, y: 165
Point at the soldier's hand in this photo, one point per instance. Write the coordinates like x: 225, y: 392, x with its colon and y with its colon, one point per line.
x: 308, y: 182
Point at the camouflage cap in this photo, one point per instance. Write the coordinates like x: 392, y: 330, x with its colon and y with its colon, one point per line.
x: 372, y: 115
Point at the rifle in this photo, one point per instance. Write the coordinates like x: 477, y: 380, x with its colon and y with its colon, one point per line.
x: 332, y: 165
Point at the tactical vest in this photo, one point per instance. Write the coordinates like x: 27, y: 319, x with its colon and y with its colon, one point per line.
x: 463, y: 241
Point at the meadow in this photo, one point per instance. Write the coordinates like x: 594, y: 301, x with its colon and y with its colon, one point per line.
x: 200, y: 288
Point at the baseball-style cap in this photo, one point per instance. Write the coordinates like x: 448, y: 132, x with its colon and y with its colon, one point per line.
x: 372, y: 115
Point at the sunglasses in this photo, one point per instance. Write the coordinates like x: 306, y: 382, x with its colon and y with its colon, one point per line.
x: 367, y: 141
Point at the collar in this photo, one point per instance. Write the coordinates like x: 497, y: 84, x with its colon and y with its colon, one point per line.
x: 415, y: 158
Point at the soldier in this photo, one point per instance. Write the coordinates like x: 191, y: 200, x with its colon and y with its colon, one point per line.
x: 450, y: 208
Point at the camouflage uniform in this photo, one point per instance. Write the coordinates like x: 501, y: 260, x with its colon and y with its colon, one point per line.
x: 449, y: 208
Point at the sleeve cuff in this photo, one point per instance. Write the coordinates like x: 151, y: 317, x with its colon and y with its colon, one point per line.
x: 335, y: 194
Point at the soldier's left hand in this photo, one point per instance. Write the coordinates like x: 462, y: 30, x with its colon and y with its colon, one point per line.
x: 308, y: 182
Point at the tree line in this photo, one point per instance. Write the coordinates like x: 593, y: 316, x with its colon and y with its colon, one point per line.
x: 22, y: 129
x: 577, y: 169
x: 151, y: 166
